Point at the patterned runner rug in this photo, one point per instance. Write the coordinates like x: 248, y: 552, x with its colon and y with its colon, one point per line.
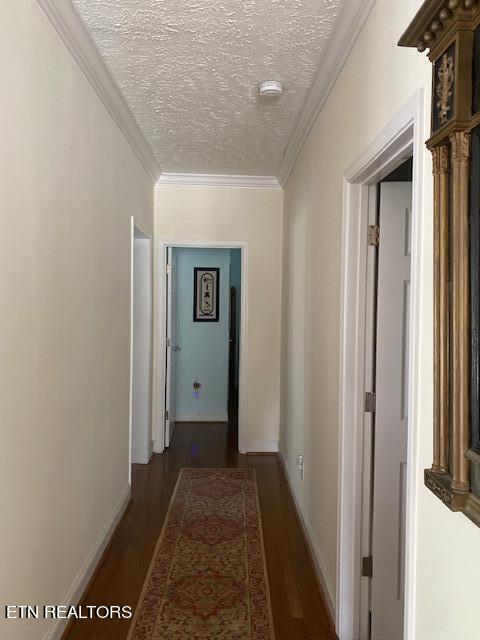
x: 208, y: 577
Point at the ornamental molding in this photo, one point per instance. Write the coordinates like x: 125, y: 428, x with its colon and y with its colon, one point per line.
x: 215, y: 180
x: 440, y: 158
x: 444, y: 90
x: 74, y: 34
x: 460, y: 141
x: 433, y: 18
x: 440, y: 491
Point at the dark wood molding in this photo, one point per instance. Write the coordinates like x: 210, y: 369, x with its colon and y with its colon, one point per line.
x: 447, y: 28
x: 441, y: 485
x: 460, y: 310
x: 441, y: 172
x: 436, y: 21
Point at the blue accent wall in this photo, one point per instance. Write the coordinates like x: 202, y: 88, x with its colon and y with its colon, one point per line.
x: 204, y: 345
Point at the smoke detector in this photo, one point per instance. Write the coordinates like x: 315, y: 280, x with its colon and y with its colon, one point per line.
x: 270, y: 89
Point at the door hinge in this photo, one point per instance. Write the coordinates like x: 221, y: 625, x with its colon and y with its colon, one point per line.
x: 370, y: 402
x: 167, y: 415
x: 367, y: 567
x: 373, y: 235
x: 169, y: 269
x: 169, y: 342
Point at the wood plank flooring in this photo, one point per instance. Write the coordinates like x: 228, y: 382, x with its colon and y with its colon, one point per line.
x: 298, y: 608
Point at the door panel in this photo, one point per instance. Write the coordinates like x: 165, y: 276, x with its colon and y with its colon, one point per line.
x: 391, y: 420
x: 171, y: 346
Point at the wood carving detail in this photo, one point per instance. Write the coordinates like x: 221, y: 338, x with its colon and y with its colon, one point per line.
x: 460, y: 141
x: 445, y: 79
x: 451, y: 30
x: 440, y: 158
x: 442, y: 493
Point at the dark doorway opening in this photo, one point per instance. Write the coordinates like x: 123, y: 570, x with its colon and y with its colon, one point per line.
x: 232, y: 362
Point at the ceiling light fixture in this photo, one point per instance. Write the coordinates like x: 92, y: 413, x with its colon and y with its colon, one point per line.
x: 270, y: 89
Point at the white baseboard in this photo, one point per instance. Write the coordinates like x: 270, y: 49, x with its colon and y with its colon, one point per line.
x: 80, y: 583
x: 202, y: 417
x: 319, y: 563
x: 262, y: 446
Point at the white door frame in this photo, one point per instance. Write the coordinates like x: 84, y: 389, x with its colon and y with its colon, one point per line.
x: 402, y: 137
x: 161, y: 245
x: 134, y: 225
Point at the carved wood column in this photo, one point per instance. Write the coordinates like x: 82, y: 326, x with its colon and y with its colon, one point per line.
x: 450, y: 31
x: 441, y: 330
x: 460, y: 141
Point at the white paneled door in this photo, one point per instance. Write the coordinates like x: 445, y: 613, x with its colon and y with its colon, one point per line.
x: 391, y: 419
x: 171, y: 345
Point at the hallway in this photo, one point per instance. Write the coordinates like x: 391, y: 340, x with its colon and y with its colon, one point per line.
x: 273, y: 131
x: 298, y: 608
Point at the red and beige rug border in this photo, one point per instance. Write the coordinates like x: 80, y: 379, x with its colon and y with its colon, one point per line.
x: 146, y: 583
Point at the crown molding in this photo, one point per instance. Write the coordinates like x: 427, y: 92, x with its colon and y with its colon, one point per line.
x: 76, y: 37
x: 350, y: 23
x: 215, y: 180
x: 71, y: 29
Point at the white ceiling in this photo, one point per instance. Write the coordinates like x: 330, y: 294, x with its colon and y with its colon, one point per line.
x: 189, y: 70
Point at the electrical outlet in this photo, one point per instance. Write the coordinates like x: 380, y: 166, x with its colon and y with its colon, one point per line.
x: 301, y: 466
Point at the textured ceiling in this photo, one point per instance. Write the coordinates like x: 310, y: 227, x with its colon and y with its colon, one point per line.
x: 189, y: 70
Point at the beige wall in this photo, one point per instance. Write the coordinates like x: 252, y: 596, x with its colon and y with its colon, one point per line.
x: 377, y: 80
x: 223, y: 214
x: 69, y: 184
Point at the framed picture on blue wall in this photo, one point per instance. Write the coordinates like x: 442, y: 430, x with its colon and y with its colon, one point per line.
x: 206, y: 294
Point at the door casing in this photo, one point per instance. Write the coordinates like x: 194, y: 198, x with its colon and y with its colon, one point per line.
x: 161, y: 245
x: 400, y: 139
x: 136, y: 229
x: 171, y: 351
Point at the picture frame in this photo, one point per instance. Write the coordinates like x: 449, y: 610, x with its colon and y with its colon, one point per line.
x: 206, y: 294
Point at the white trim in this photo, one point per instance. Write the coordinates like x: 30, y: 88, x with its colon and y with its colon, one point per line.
x: 378, y: 159
x: 202, y: 417
x: 257, y: 445
x: 370, y: 205
x: 140, y: 234
x: 136, y: 227
x: 404, y: 134
x: 214, y: 180
x: 319, y: 564
x: 130, y: 401
x: 349, y: 26
x: 161, y: 245
x: 71, y: 29
x: 76, y: 37
x: 76, y: 591
x: 159, y: 345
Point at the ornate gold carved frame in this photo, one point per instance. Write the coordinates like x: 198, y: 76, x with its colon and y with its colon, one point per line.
x: 448, y: 28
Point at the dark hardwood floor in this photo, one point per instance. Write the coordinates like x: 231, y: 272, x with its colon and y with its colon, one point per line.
x: 298, y: 609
